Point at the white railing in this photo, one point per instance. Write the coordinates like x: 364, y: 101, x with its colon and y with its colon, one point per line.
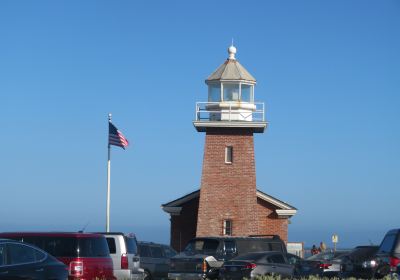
x: 230, y: 111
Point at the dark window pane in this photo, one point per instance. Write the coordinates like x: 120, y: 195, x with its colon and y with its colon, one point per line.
x: 95, y: 247
x: 251, y: 257
x: 230, y: 247
x: 144, y: 251
x: 169, y: 252
x: 276, y: 246
x: 19, y: 254
x: 247, y: 246
x: 111, y: 245
x: 227, y: 227
x: 387, y: 244
x: 276, y: 259
x: 131, y: 244
x: 202, y: 245
x: 156, y: 252
x: 70, y: 246
x: 2, y: 254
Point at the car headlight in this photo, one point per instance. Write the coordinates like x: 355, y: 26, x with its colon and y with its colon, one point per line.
x: 368, y: 264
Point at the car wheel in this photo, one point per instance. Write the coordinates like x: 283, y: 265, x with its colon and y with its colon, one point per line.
x: 147, y: 275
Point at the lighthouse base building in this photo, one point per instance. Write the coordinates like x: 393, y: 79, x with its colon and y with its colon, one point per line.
x: 228, y: 202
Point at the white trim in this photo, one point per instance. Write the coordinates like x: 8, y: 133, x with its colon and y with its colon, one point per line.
x: 285, y: 213
x: 273, y: 201
x: 227, y: 149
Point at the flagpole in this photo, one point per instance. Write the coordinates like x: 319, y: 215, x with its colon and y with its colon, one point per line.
x: 108, y: 181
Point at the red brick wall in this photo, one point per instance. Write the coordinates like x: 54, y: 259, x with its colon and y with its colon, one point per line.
x: 228, y: 191
x: 183, y: 226
x: 268, y: 221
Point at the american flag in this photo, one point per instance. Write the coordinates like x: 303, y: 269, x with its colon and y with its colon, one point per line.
x: 115, y: 137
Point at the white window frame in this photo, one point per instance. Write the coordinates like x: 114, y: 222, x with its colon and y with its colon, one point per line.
x: 229, y: 154
x: 227, y: 230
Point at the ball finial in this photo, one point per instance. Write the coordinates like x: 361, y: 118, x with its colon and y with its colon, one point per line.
x: 232, y: 52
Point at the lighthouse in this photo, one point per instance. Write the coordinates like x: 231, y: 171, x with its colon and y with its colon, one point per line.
x: 229, y: 203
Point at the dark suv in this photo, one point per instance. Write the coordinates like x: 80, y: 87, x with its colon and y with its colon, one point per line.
x: 86, y: 254
x: 388, y: 256
x: 204, y: 256
x: 155, y: 259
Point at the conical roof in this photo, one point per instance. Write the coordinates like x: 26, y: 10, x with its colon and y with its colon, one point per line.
x: 231, y: 70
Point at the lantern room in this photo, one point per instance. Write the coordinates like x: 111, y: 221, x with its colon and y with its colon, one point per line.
x: 230, y: 97
x: 231, y: 82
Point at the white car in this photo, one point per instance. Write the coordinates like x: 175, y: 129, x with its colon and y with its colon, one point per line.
x: 124, y: 253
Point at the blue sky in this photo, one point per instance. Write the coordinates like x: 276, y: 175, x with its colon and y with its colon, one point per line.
x: 328, y: 72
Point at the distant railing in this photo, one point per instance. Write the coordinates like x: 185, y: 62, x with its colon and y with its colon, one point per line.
x: 230, y: 111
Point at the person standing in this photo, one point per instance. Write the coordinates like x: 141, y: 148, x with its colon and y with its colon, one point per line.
x: 322, y: 247
x: 314, y: 250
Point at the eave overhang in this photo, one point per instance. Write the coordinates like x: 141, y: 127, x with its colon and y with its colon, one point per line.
x: 257, y: 127
x: 283, y: 210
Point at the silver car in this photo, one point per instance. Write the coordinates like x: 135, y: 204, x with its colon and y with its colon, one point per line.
x: 253, y: 265
x: 330, y: 262
x: 124, y: 254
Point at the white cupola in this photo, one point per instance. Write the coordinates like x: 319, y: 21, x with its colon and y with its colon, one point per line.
x: 230, y: 101
x: 231, y: 87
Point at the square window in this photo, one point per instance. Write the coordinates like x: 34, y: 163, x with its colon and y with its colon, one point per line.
x: 227, y: 227
x: 231, y: 92
x: 214, y: 93
x: 229, y: 154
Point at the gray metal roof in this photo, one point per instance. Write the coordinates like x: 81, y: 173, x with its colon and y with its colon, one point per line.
x: 231, y: 70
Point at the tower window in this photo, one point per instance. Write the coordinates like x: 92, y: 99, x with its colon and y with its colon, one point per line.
x: 231, y: 92
x: 227, y: 227
x: 214, y: 93
x: 229, y: 154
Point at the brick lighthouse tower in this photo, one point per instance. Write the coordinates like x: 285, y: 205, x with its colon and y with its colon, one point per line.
x: 228, y: 197
x: 228, y: 202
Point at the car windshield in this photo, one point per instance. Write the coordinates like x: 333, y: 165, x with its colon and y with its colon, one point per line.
x: 202, y: 246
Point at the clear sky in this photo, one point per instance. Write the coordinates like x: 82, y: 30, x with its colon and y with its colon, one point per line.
x: 328, y: 72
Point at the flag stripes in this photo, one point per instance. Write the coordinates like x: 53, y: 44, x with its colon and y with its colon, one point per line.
x: 115, y: 137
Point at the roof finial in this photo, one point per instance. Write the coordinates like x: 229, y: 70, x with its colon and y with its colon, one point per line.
x: 232, y: 51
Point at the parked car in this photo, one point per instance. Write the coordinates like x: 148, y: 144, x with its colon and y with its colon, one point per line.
x: 360, y: 263
x: 23, y: 261
x: 304, y: 268
x: 125, y: 256
x: 388, y: 255
x: 155, y: 259
x: 86, y: 254
x: 330, y: 262
x: 256, y: 264
x: 204, y: 256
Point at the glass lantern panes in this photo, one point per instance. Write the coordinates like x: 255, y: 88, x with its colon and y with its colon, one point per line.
x: 231, y: 92
x: 247, y: 95
x: 214, y: 94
